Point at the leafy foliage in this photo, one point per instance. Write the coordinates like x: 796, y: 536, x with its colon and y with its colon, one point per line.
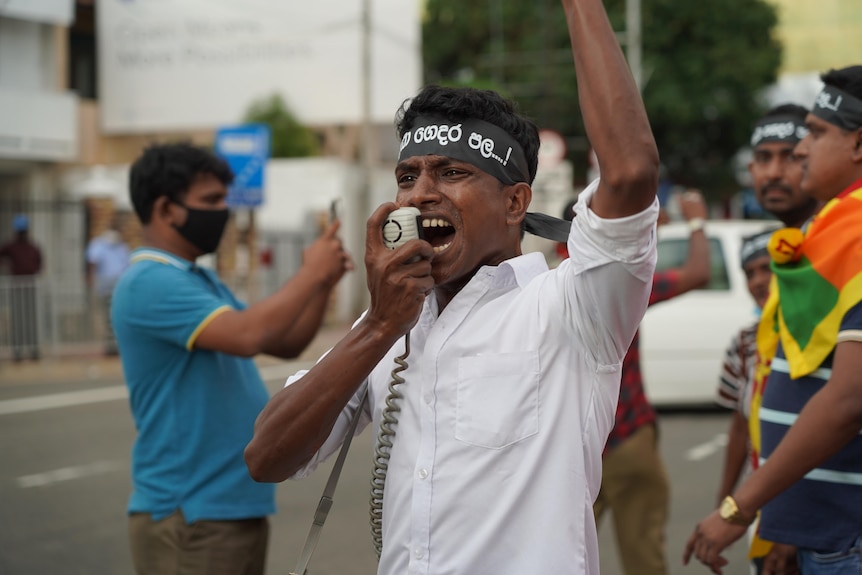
x: 704, y: 65
x: 290, y: 139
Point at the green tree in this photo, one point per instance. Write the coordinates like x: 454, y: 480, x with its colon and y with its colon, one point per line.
x: 290, y: 139
x: 705, y: 64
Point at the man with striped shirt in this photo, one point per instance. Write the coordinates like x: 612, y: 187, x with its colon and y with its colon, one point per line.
x: 809, y: 483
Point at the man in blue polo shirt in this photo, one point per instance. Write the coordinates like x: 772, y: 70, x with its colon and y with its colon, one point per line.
x: 809, y: 483
x: 186, y: 345
x: 107, y: 258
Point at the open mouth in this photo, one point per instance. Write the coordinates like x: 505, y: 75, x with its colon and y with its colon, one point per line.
x: 437, y: 232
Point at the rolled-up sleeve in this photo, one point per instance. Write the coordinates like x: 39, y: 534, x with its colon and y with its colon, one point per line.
x: 612, y: 263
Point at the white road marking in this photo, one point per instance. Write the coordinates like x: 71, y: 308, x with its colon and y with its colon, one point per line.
x: 704, y: 450
x: 68, y: 473
x: 274, y: 372
x: 69, y: 398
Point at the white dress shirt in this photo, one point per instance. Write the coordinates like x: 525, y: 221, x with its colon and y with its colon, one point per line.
x: 508, y: 400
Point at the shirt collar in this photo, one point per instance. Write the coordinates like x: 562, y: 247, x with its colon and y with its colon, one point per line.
x: 519, y: 270
x: 163, y: 257
x: 525, y: 268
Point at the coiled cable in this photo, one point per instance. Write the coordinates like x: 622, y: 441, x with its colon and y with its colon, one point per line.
x: 383, y: 447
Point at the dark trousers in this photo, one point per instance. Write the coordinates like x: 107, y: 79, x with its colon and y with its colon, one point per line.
x: 25, y: 323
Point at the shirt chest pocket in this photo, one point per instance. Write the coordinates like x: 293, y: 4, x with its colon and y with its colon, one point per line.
x: 498, y: 399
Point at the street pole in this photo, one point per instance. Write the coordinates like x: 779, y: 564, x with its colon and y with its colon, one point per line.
x: 633, y: 40
x: 365, y: 145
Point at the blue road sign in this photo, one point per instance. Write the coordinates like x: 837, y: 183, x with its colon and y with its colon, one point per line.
x: 246, y: 150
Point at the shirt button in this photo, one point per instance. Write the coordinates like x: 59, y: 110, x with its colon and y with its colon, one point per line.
x: 423, y: 473
x: 418, y: 553
x: 429, y: 398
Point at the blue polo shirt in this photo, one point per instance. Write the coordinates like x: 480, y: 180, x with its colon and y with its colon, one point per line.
x: 822, y: 511
x: 194, y: 410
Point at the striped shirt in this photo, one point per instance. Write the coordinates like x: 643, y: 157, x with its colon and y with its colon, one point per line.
x: 822, y: 511
x: 737, y: 371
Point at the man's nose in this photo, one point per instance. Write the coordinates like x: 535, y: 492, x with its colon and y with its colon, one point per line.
x: 775, y: 168
x: 423, y: 192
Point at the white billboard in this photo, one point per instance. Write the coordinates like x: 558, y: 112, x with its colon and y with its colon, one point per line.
x: 172, y: 65
x: 46, y: 11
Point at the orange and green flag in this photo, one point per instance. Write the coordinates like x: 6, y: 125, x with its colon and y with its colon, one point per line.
x: 818, y: 278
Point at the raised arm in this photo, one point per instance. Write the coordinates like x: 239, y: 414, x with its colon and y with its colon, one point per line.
x: 695, y: 271
x: 614, y: 115
x: 284, y: 323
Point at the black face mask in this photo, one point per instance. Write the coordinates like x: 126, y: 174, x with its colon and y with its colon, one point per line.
x: 203, y: 228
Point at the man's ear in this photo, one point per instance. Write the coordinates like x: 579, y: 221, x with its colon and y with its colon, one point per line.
x: 520, y: 196
x: 164, y: 210
x: 857, y: 147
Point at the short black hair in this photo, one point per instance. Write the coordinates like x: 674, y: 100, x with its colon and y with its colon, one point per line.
x: 170, y: 170
x: 457, y: 104
x: 847, y: 79
x: 795, y: 110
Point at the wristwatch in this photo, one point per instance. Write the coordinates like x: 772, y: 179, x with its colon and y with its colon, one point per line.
x: 729, y: 511
x: 696, y: 224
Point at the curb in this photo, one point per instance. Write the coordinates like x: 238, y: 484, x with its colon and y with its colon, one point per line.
x: 109, y: 369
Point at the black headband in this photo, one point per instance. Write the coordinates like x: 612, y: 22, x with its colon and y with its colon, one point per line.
x: 487, y: 147
x: 782, y: 128
x: 754, y: 247
x: 838, y: 107
x: 477, y: 142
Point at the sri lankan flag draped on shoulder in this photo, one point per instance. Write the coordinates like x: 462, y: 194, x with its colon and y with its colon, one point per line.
x: 818, y: 278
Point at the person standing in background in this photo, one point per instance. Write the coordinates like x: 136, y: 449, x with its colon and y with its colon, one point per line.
x: 635, y: 486
x: 24, y: 263
x: 807, y: 485
x: 186, y: 345
x: 107, y: 258
x: 776, y: 170
x: 776, y: 173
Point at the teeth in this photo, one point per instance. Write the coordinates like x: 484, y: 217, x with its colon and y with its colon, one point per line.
x: 439, y: 249
x: 434, y: 223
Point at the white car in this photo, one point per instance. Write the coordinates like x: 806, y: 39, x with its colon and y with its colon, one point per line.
x: 683, y: 340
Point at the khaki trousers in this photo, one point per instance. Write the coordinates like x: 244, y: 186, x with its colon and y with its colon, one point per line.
x: 171, y: 547
x: 636, y: 490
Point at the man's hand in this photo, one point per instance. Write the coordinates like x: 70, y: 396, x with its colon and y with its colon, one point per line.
x: 327, y: 256
x: 399, y: 279
x: 781, y: 560
x: 692, y: 205
x: 710, y: 538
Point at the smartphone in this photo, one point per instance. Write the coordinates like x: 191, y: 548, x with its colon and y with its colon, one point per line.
x: 334, y: 210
